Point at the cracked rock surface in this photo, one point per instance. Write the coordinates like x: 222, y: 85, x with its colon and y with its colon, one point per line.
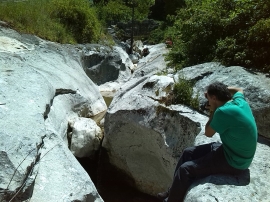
x: 43, y: 85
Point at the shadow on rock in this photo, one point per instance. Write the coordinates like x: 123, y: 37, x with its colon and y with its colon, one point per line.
x: 242, y: 179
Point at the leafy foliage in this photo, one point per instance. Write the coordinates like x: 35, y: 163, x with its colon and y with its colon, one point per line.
x: 78, y: 18
x: 158, y: 35
x: 183, y: 94
x: 64, y: 21
x: 114, y: 11
x: 163, y: 32
x: 231, y: 32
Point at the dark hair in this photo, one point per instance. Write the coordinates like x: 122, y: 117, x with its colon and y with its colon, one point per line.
x: 219, y: 90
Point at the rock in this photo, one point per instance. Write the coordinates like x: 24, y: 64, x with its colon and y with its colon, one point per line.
x: 102, y: 122
x: 145, y: 52
x: 161, y: 85
x: 138, y: 47
x: 85, y: 137
x: 109, y: 69
x: 125, y: 46
x: 8, y: 174
x: 104, y: 65
x: 143, y: 137
x: 134, y: 58
x: 252, y: 184
x: 153, y: 63
x: 256, y: 88
x: 43, y: 85
x: 110, y: 87
x: 61, y: 177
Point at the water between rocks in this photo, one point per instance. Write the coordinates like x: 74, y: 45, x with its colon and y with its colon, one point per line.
x: 112, y: 184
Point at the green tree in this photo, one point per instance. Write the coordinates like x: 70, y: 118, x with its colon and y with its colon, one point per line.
x: 115, y: 11
x: 231, y: 32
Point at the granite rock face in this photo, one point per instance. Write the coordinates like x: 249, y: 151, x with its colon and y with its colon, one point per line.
x: 109, y: 68
x: 153, y: 63
x: 145, y: 138
x: 43, y: 85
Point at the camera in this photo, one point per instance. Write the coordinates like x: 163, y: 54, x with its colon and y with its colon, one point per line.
x: 203, y: 106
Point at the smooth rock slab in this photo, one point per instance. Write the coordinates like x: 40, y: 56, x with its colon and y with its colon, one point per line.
x: 251, y: 186
x: 43, y: 85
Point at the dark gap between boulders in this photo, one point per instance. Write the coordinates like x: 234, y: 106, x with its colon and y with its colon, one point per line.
x: 112, y: 184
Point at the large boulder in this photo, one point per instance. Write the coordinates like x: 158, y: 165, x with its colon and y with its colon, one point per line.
x: 43, y: 85
x: 256, y: 87
x: 143, y: 137
x: 108, y: 67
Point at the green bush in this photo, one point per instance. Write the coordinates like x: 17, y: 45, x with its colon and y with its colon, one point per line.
x: 230, y: 32
x: 64, y: 21
x: 163, y: 32
x: 78, y: 18
x: 113, y: 12
x: 259, y: 44
x: 183, y: 94
x: 158, y: 35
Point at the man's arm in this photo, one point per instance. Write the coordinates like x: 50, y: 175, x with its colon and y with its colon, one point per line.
x: 209, y: 132
x: 234, y: 90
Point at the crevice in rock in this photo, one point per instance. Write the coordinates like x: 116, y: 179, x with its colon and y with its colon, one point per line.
x: 112, y: 184
x: 59, y: 91
x: 200, y: 77
x: 69, y: 135
x: 25, y: 190
x: 62, y: 91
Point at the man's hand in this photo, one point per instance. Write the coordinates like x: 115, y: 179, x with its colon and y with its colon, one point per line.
x: 234, y: 90
x: 209, y: 132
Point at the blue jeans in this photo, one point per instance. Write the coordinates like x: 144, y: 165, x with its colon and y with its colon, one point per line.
x: 197, y: 162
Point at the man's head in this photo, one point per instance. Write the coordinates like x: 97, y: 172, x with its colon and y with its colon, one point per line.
x: 218, y: 91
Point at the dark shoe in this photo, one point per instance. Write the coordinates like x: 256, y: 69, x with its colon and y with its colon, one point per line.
x: 162, y: 195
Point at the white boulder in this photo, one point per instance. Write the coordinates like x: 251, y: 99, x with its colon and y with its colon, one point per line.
x: 85, y: 137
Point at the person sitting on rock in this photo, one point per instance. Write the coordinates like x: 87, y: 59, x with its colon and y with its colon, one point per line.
x: 232, y: 118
